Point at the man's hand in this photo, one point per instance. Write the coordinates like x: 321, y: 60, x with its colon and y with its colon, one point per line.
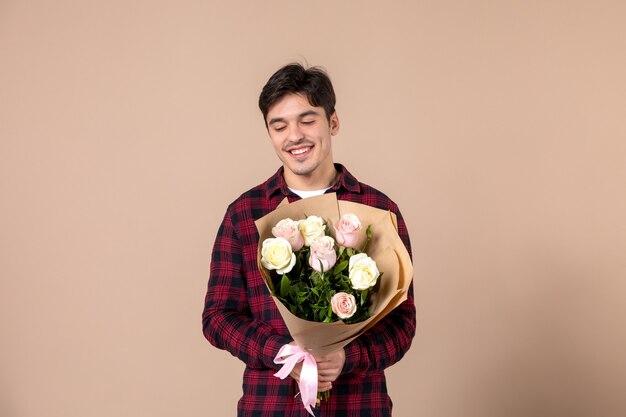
x: 328, y: 369
x: 321, y: 386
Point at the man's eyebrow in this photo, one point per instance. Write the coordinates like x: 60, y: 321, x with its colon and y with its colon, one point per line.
x: 308, y: 113
x: 300, y: 116
x: 275, y: 120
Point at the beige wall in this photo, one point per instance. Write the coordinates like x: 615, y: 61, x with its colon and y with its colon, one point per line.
x: 126, y: 127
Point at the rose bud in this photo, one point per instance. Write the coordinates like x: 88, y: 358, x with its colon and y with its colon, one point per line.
x: 288, y: 229
x: 349, y: 232
x: 323, y: 255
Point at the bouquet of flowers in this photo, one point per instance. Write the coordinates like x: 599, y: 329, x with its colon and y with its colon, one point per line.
x: 318, y: 277
x: 322, y: 268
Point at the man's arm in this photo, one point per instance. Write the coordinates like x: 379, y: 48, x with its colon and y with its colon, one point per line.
x: 226, y: 319
x: 388, y: 341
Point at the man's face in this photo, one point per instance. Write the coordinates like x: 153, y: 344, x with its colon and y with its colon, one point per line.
x: 301, y: 136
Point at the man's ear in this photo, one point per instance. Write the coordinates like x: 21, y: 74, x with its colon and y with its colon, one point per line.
x: 334, y: 124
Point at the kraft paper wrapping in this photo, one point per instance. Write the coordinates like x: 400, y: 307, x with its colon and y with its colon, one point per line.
x: 386, y: 248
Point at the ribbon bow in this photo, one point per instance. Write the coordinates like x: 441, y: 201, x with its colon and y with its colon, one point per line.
x: 289, y: 356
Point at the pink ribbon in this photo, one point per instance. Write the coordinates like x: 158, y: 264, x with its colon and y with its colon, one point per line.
x: 289, y: 356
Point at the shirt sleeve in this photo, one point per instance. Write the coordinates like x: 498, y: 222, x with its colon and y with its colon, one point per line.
x: 226, y: 320
x: 388, y: 341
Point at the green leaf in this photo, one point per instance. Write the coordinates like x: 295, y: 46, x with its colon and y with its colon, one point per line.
x: 368, y: 233
x: 363, y: 297
x: 340, y: 267
x: 285, y: 286
x: 329, y: 316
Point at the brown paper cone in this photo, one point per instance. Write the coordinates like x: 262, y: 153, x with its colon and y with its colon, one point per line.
x: 386, y: 248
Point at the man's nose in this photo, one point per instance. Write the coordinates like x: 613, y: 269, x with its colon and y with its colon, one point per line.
x: 295, y: 133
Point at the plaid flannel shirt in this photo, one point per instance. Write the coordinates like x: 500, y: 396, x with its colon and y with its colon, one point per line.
x: 240, y: 316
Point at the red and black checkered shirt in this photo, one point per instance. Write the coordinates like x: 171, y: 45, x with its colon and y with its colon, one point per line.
x: 240, y: 316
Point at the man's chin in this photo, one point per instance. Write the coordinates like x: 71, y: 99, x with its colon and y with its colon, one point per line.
x: 303, y: 169
x: 303, y: 172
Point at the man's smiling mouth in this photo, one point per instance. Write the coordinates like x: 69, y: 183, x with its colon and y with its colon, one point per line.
x: 300, y: 151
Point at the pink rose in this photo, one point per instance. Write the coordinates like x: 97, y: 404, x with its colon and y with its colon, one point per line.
x: 348, y: 232
x: 343, y: 305
x: 323, y: 251
x: 288, y: 229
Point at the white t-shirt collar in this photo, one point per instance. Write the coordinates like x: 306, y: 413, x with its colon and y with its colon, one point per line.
x: 307, y: 194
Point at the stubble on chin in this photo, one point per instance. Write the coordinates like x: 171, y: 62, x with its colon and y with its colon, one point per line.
x: 302, y: 170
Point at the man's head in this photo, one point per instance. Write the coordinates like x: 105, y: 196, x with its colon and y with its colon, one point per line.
x: 298, y: 107
x: 312, y: 83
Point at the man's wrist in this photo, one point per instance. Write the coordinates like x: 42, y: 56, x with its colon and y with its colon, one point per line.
x: 271, y: 347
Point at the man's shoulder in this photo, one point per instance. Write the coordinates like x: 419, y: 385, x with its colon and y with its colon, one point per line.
x: 253, y: 192
x: 373, y: 197
x: 254, y: 201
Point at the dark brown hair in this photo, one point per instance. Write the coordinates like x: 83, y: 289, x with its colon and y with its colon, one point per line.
x: 311, y: 82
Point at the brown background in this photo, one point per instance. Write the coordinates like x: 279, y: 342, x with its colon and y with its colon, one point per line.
x: 499, y: 127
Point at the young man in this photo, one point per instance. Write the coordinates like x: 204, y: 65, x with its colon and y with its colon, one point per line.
x: 298, y: 107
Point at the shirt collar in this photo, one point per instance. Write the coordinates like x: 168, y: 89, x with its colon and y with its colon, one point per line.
x: 276, y: 183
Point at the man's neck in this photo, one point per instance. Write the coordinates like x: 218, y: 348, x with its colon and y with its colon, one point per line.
x: 316, y: 181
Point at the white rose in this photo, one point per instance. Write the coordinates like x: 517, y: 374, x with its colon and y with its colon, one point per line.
x: 312, y: 228
x: 362, y: 271
x: 276, y: 254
